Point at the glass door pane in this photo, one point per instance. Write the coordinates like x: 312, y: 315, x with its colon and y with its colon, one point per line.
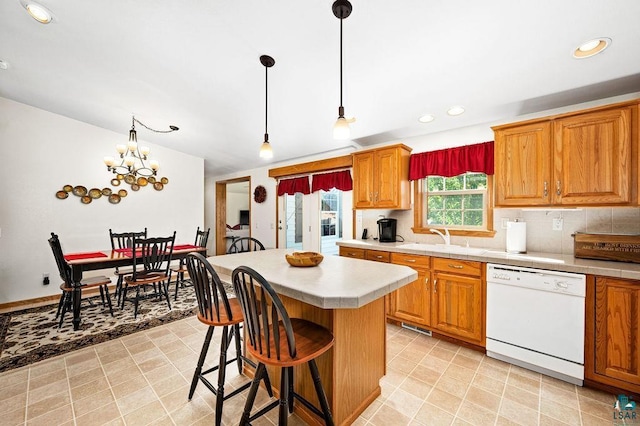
x: 293, y: 221
x: 330, y: 221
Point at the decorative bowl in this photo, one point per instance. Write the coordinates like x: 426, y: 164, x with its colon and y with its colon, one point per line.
x: 304, y: 258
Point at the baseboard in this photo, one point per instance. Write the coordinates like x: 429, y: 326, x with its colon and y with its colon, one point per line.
x: 41, y: 301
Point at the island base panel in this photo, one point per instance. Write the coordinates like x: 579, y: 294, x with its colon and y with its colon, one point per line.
x: 351, y: 370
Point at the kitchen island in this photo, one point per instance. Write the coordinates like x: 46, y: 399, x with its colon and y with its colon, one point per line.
x: 347, y: 297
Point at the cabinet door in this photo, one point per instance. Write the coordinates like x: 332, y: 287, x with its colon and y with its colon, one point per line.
x: 412, y: 301
x: 593, y: 158
x: 457, y: 305
x: 617, y: 338
x: 387, y: 176
x: 363, y: 180
x: 523, y: 159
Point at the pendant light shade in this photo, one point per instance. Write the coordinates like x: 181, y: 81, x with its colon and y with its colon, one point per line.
x: 265, y: 150
x: 341, y: 9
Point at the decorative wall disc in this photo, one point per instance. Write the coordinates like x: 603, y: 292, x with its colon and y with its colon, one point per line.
x: 260, y: 194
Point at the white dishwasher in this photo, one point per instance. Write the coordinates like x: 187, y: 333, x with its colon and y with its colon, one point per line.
x: 535, y: 319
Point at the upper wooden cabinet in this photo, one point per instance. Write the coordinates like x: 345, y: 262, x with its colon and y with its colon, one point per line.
x: 381, y: 178
x: 578, y: 159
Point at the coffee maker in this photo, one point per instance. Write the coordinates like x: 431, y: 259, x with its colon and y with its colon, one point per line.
x: 387, y: 230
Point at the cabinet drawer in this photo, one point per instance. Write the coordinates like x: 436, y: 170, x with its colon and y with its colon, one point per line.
x: 356, y: 253
x: 378, y: 256
x: 463, y: 267
x: 413, y: 260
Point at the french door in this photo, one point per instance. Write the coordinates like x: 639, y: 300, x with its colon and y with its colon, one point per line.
x: 315, y: 222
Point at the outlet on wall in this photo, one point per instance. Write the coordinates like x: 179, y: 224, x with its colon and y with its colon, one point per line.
x: 45, y: 279
x: 557, y: 224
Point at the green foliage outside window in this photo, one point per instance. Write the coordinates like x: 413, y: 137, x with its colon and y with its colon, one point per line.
x: 457, y: 201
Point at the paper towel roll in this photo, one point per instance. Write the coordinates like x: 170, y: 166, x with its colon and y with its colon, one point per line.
x: 516, y: 237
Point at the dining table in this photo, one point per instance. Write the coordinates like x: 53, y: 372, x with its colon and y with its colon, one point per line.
x: 108, y: 259
x: 344, y: 295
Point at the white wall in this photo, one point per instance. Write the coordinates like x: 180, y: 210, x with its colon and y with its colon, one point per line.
x: 41, y: 152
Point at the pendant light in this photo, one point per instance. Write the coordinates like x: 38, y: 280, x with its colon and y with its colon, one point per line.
x: 341, y: 10
x: 265, y: 150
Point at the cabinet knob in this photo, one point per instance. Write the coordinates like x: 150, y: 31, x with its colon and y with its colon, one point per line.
x: 558, y: 186
x: 546, y: 188
x: 435, y: 286
x: 426, y: 283
x: 456, y: 266
x: 411, y: 260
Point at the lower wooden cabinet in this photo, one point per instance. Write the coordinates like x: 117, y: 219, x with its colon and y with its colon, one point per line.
x: 457, y: 306
x: 412, y: 302
x: 612, y: 355
x: 448, y: 297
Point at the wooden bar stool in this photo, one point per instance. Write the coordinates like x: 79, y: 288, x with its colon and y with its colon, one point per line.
x: 215, y: 309
x: 280, y: 341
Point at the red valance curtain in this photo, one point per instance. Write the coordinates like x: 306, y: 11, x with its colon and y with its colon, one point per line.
x: 340, y: 180
x: 293, y: 185
x: 452, y: 161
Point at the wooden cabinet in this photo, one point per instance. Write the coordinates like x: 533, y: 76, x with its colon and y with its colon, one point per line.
x: 612, y: 355
x: 381, y: 178
x: 412, y: 302
x: 577, y: 159
x: 523, y: 165
x: 355, y: 253
x: 593, y: 158
x: 457, y: 307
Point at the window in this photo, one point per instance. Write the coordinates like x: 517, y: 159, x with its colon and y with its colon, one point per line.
x: 329, y: 213
x: 460, y: 203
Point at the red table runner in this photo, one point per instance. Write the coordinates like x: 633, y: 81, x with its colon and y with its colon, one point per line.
x: 185, y: 247
x: 88, y: 255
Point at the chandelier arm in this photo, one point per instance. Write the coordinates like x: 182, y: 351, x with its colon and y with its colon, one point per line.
x: 171, y: 128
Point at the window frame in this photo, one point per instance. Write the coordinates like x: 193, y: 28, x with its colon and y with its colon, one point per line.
x: 419, y: 201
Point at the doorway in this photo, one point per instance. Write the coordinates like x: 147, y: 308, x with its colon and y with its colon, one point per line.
x: 233, y: 211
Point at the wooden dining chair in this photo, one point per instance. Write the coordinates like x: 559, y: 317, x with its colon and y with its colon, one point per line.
x: 181, y: 269
x: 151, y: 266
x: 215, y: 309
x: 274, y: 339
x: 119, y: 241
x: 244, y: 244
x: 67, y: 287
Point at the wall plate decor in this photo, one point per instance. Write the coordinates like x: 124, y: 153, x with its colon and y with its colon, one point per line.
x: 260, y: 194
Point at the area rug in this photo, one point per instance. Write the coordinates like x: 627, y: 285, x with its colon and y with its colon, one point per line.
x: 33, y: 335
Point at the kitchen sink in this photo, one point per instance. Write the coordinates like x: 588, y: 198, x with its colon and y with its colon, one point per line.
x: 444, y: 248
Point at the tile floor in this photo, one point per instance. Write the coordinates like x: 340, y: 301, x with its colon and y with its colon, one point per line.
x: 144, y: 378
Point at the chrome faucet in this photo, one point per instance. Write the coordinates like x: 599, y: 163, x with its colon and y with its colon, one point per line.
x: 446, y: 236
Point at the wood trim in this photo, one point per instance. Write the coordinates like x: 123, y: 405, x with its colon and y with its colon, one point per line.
x: 418, y: 213
x: 589, y: 329
x: 342, y: 162
x: 221, y: 211
x: 36, y: 302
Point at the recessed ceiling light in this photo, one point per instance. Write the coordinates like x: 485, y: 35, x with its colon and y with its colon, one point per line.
x: 37, y: 11
x: 455, y: 110
x: 427, y: 118
x: 591, y: 47
x: 3, y: 65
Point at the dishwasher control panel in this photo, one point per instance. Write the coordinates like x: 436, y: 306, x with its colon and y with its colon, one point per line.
x: 537, y: 279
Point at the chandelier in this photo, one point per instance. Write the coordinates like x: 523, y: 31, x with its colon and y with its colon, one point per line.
x: 133, y: 159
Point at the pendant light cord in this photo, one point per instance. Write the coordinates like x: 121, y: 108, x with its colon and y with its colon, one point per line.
x: 266, y: 97
x: 341, y: 62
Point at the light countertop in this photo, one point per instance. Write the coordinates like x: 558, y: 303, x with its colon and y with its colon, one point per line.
x: 549, y: 261
x: 337, y: 282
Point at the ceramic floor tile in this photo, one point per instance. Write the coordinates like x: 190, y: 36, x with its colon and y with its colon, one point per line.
x: 144, y: 379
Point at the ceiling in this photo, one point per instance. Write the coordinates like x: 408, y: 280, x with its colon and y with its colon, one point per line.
x: 195, y: 64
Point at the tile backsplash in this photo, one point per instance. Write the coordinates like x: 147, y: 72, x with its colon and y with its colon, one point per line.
x: 541, y: 237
